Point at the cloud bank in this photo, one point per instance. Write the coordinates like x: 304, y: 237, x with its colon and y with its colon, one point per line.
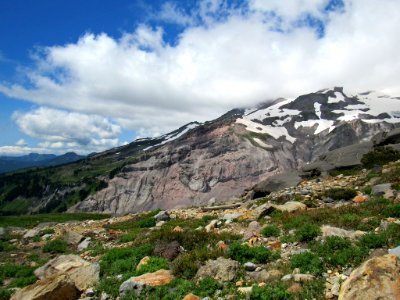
x: 225, y: 56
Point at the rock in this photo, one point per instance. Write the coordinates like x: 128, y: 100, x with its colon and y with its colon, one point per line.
x: 160, y: 224
x: 221, y: 269
x: 222, y: 246
x: 275, y: 183
x: 381, y: 189
x: 327, y: 200
x: 138, y: 283
x: 328, y: 230
x: 3, y: 231
x: 31, y: 233
x: 55, y: 287
x: 360, y: 198
x: 395, y: 251
x: 287, y: 277
x: 191, y: 297
x: 144, y: 261
x: 245, y: 290
x: 178, y: 229
x: 211, y: 226
x: 252, y: 230
x: 377, y: 278
x: 162, y: 216
x: 72, y: 237
x: 211, y: 202
x: 232, y: 216
x: 84, y: 244
x: 104, y: 296
x: 249, y: 266
x: 90, y: 293
x: 290, y: 206
x: 83, y: 273
x: 303, y: 277
x: 264, y: 275
x: 167, y: 250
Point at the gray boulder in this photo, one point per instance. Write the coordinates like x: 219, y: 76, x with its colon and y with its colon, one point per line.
x: 221, y: 269
x: 162, y: 216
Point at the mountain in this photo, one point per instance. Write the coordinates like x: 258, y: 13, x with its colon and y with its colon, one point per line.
x: 220, y: 159
x: 13, y: 163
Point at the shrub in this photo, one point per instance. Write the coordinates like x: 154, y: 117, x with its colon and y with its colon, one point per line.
x: 207, y: 287
x: 313, y: 289
x: 244, y: 253
x: 372, y: 240
x: 307, y: 232
x: 4, y: 246
x: 154, y: 264
x: 123, y: 260
x: 307, y: 262
x: 337, y: 251
x: 380, y: 156
x: 293, y: 222
x: 392, y: 234
x: 47, y: 231
x: 270, y: 292
x: 270, y: 230
x: 341, y: 193
x: 392, y: 211
x: 5, y: 294
x: 185, y: 266
x: 55, y: 246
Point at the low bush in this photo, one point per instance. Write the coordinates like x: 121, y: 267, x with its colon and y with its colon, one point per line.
x: 270, y: 230
x: 307, y: 232
x: 207, y: 287
x: 337, y: 251
x: 244, y: 253
x: 372, y: 240
x: 392, y: 210
x: 270, y: 292
x: 380, y: 156
x: 307, y: 262
x: 341, y: 193
x: 55, y: 246
x: 5, y: 294
x: 5, y: 246
x: 21, y: 275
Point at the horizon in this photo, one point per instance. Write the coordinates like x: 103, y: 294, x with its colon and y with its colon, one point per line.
x: 87, y: 77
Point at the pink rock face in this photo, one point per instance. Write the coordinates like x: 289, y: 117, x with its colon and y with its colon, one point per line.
x: 219, y: 163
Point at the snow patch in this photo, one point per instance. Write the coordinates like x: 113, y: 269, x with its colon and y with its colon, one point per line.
x: 317, y: 107
x: 322, y: 125
x: 271, y: 111
x: 275, y: 132
x: 339, y: 97
x: 262, y: 144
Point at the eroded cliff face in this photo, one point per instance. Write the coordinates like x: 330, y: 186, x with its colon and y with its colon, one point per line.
x: 218, y: 162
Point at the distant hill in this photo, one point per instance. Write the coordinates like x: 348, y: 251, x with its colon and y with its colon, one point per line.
x: 13, y: 163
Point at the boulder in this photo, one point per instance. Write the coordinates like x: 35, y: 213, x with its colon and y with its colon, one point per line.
x: 55, y: 287
x: 290, y: 206
x: 221, y: 269
x: 328, y: 230
x: 249, y: 266
x: 84, y: 244
x: 395, y: 251
x: 72, y: 237
x: 252, y: 230
x: 377, y: 278
x: 191, y: 297
x: 210, y: 226
x: 384, y: 189
x: 162, y: 216
x: 83, y: 273
x: 232, y: 216
x: 31, y: 233
x: 275, y: 183
x: 264, y: 275
x: 138, y: 283
x: 167, y: 250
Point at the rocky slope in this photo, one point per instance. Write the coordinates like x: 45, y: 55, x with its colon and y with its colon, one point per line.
x: 336, y: 237
x: 223, y: 158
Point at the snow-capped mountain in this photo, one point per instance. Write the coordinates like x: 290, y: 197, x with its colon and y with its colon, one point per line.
x: 222, y: 158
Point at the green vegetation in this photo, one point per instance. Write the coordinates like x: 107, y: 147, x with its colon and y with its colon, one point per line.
x: 244, y: 253
x: 21, y: 275
x: 307, y: 232
x: 341, y: 193
x: 154, y: 264
x: 270, y: 230
x: 55, y: 246
x: 380, y: 156
x: 307, y: 262
x: 271, y: 292
x: 33, y: 220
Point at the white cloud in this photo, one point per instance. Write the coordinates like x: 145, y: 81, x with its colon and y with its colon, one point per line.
x: 21, y: 150
x: 153, y: 87
x: 62, y: 131
x: 21, y: 142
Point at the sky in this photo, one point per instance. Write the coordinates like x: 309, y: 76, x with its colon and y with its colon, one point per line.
x: 86, y: 76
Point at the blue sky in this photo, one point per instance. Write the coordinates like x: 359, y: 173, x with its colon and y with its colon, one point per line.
x: 89, y: 75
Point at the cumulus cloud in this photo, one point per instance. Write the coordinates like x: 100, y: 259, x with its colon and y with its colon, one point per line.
x: 21, y: 142
x: 62, y: 131
x: 225, y: 57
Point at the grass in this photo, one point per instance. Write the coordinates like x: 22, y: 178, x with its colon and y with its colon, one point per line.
x: 270, y: 230
x: 276, y: 291
x: 55, y: 246
x: 21, y: 275
x: 29, y: 221
x: 144, y: 220
x: 307, y: 262
x: 154, y: 264
x: 244, y: 253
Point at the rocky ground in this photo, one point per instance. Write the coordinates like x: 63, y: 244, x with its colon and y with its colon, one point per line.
x: 326, y: 238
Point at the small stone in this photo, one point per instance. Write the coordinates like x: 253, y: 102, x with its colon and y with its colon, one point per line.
x: 249, y: 266
x: 178, y: 229
x: 191, y: 297
x: 211, y: 226
x: 295, y: 288
x: 144, y: 261
x: 395, y: 251
x: 160, y: 224
x: 84, y: 244
x: 245, y: 290
x: 222, y: 246
x: 239, y: 283
x: 303, y: 277
x: 287, y: 277
x: 90, y: 292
